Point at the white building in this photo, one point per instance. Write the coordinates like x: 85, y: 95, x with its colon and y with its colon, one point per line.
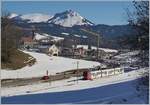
x: 53, y: 50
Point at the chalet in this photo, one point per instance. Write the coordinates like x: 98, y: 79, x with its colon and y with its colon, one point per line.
x: 51, y: 50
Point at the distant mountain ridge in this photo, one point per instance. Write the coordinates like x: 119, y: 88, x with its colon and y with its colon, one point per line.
x: 71, y: 22
x: 67, y: 18
x: 31, y: 18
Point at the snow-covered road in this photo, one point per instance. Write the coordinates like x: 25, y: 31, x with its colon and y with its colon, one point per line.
x: 44, y: 62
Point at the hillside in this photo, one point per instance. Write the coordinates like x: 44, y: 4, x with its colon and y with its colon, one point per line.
x: 11, y: 57
x: 17, y: 60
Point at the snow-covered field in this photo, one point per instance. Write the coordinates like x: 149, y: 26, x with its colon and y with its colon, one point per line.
x: 44, y: 62
x: 101, y: 90
x: 93, y: 47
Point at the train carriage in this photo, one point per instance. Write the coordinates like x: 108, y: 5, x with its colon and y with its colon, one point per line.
x: 99, y: 73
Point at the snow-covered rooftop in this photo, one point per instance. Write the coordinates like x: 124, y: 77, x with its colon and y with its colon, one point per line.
x: 64, y: 33
x: 40, y: 36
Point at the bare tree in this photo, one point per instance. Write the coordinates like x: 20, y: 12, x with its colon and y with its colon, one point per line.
x: 139, y: 19
x: 10, y: 36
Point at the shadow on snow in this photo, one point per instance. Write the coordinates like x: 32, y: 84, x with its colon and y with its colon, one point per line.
x: 90, y: 95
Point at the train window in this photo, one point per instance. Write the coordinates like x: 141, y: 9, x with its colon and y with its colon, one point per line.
x: 105, y: 72
x: 110, y: 72
x: 99, y: 73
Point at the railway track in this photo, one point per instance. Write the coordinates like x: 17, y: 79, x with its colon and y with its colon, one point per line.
x: 29, y: 81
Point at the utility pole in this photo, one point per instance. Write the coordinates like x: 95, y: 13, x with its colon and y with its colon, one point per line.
x: 33, y: 31
x: 97, y: 47
x: 98, y: 40
x: 74, y: 44
x: 77, y: 70
x: 50, y: 80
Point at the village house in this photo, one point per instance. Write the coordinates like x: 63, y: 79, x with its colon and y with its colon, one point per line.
x: 53, y: 50
x: 28, y: 42
x: 91, y: 51
x: 65, y: 51
x: 80, y: 52
x: 44, y: 41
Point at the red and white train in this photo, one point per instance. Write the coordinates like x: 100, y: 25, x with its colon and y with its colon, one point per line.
x: 99, y: 73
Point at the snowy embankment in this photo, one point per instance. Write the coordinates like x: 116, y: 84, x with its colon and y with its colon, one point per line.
x: 44, y: 62
x: 68, y: 91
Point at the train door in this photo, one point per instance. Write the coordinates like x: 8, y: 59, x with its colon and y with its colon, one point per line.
x: 87, y: 75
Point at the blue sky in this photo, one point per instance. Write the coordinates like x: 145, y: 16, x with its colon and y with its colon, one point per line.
x: 99, y: 12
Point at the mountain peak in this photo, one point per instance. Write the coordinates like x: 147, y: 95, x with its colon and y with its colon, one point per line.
x: 70, y: 10
x: 69, y: 18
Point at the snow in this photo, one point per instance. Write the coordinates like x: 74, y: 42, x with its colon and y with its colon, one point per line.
x: 39, y: 36
x: 56, y: 38
x: 44, y: 62
x: 102, y: 90
x: 84, y: 37
x: 36, y: 17
x: 68, y: 19
x: 65, y: 33
x: 93, y: 47
x: 33, y: 18
x: 44, y: 36
x: 108, y: 50
x: 77, y: 35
